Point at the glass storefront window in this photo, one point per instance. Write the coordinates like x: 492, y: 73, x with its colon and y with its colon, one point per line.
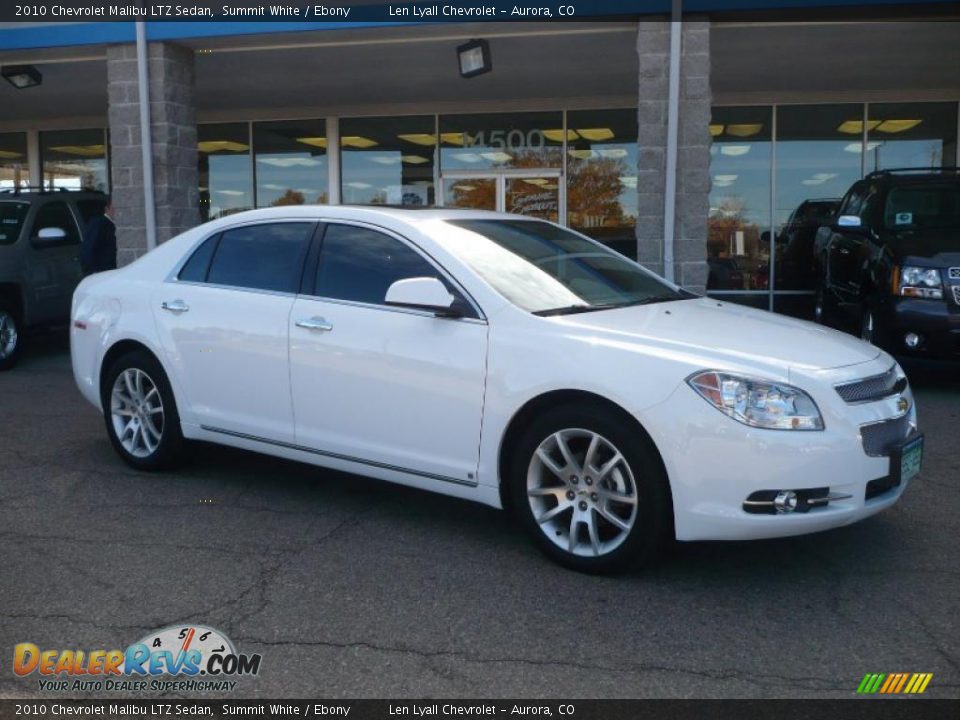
x: 738, y: 244
x: 818, y: 159
x: 226, y: 176
x: 291, y: 162
x: 903, y: 135
x: 501, y: 140
x: 388, y: 160
x: 602, y: 176
x: 13, y: 160
x: 74, y: 159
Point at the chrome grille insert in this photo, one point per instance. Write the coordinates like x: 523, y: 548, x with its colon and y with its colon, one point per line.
x: 878, y: 438
x: 956, y: 294
x: 872, y: 388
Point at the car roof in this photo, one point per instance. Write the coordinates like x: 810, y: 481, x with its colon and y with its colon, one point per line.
x: 60, y: 194
x: 370, y: 212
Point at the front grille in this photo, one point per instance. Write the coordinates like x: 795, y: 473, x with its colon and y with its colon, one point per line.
x: 873, y: 388
x: 881, y: 486
x: 956, y: 294
x: 879, y: 438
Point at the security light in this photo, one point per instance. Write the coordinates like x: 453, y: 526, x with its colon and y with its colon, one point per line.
x: 474, y: 58
x: 21, y: 76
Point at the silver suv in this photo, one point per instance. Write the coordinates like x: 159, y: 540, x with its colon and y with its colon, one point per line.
x: 40, y: 236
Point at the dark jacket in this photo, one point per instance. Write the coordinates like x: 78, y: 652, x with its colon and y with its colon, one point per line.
x: 99, y: 250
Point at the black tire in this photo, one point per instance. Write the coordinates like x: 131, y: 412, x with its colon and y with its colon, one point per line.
x: 823, y: 306
x: 167, y: 451
x: 11, y: 336
x: 651, y: 522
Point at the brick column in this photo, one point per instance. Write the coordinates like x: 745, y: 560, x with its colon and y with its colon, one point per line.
x: 174, y: 136
x: 693, y: 156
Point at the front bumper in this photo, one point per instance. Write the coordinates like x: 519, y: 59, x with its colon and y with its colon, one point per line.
x: 937, y: 322
x: 715, y: 464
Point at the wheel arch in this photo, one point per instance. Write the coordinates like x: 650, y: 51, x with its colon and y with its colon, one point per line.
x: 557, y: 398
x: 118, y: 349
x: 13, y: 294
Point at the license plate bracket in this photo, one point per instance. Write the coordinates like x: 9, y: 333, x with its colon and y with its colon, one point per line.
x: 906, y: 460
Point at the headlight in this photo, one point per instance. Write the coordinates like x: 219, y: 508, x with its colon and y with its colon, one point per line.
x: 757, y: 403
x: 920, y: 282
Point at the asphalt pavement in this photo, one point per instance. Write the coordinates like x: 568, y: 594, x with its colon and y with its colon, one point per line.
x: 350, y: 587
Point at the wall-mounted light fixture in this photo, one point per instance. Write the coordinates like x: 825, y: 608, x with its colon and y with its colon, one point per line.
x: 474, y: 58
x: 21, y: 76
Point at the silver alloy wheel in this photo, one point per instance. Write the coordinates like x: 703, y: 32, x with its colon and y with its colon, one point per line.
x: 136, y: 410
x: 8, y: 335
x: 582, y: 492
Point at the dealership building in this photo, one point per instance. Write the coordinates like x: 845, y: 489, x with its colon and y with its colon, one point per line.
x: 691, y: 146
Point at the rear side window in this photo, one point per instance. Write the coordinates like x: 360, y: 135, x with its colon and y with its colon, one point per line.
x: 57, y: 215
x: 12, y: 215
x: 262, y: 257
x: 198, y: 265
x: 360, y: 264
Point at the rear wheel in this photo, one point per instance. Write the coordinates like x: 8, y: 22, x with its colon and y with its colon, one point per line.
x: 140, y: 413
x: 10, y: 337
x: 589, y: 490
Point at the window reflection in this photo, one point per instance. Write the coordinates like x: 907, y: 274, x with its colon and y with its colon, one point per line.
x: 818, y: 159
x: 738, y: 245
x: 602, y: 176
x: 388, y: 161
x: 74, y: 159
x: 13, y: 160
x: 291, y: 162
x: 501, y: 140
x: 226, y: 178
x: 901, y: 135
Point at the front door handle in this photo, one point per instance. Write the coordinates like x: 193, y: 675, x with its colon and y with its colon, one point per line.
x: 175, y: 306
x: 315, y: 323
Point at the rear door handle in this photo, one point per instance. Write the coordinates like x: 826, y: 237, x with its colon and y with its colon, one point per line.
x: 175, y: 306
x: 314, y: 323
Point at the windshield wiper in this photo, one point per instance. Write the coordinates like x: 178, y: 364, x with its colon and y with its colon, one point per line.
x: 574, y: 309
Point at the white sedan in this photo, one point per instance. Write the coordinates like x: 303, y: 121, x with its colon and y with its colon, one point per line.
x: 499, y: 359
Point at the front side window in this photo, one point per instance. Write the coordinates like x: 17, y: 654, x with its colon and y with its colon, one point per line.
x: 913, y: 207
x: 12, y: 215
x: 547, y: 270
x: 262, y: 257
x: 57, y: 215
x: 359, y: 264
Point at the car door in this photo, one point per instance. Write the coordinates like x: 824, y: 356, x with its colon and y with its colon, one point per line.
x: 52, y: 266
x: 844, y: 249
x: 224, y: 324
x: 384, y: 385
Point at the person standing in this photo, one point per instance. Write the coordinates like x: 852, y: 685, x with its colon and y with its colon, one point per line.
x: 99, y: 249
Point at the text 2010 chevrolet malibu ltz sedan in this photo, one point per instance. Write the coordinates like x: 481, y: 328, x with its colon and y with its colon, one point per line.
x: 500, y: 359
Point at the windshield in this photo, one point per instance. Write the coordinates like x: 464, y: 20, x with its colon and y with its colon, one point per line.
x: 930, y: 205
x: 12, y: 215
x: 547, y: 270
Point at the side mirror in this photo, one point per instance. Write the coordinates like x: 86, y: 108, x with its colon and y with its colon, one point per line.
x: 50, y: 236
x: 849, y: 221
x: 422, y: 293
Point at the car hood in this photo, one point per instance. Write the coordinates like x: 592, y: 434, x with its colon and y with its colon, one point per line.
x: 724, y: 333
x: 940, y: 248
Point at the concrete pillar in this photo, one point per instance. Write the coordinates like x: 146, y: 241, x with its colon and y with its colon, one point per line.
x: 174, y: 130
x: 693, y: 159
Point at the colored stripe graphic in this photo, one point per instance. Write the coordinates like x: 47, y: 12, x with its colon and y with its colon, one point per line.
x: 894, y: 683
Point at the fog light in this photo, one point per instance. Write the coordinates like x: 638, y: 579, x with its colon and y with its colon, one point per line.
x: 911, y: 340
x: 785, y: 501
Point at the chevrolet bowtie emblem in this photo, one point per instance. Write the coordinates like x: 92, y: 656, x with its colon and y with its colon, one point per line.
x: 903, y: 404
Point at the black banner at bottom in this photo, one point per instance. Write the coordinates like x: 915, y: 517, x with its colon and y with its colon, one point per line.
x: 855, y: 709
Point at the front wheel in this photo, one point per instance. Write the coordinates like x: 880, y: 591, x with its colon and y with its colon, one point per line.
x: 141, y: 414
x: 590, y: 490
x: 10, y: 338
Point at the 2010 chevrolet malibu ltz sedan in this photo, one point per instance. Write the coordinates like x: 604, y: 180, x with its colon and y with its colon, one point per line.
x: 500, y: 359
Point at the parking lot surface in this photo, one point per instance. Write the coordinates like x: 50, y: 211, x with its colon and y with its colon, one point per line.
x: 350, y: 587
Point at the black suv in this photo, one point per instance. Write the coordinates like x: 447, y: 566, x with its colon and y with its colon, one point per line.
x: 890, y: 262
x: 40, y: 236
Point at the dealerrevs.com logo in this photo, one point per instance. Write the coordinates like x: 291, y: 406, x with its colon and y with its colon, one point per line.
x: 177, y: 658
